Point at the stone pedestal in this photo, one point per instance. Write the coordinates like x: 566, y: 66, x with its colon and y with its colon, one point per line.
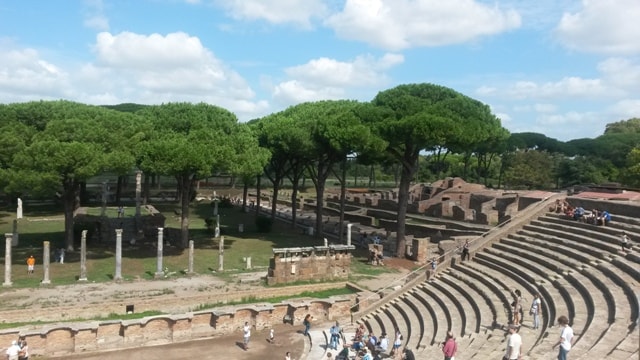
x: 191, y: 252
x: 159, y: 271
x: 46, y: 262
x: 221, y: 254
x: 118, y: 272
x: 83, y: 257
x: 7, y: 260
x: 138, y: 191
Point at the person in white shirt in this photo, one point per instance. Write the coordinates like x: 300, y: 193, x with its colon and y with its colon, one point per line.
x: 514, y: 344
x: 13, y: 351
x: 383, y: 344
x: 566, y: 338
x: 246, y: 335
x: 536, y: 309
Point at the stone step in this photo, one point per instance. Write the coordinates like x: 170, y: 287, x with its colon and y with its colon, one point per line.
x: 616, y: 276
x: 421, y: 315
x: 494, y: 296
x: 438, y: 317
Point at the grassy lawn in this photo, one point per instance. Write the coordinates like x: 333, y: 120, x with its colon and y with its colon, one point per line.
x: 46, y: 224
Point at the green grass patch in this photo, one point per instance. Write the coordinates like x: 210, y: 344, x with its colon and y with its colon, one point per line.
x: 110, y: 317
x: 278, y: 299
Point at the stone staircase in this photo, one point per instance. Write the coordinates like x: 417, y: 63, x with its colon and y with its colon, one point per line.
x: 579, y: 270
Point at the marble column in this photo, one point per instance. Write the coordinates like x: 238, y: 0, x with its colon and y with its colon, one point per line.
x: 349, y: 234
x: 191, y: 251
x: 138, y: 191
x: 221, y: 254
x: 7, y: 260
x: 217, y: 230
x: 46, y: 262
x: 159, y: 271
x: 118, y: 273
x: 83, y: 256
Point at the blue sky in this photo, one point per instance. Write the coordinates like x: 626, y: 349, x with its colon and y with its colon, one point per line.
x: 564, y: 68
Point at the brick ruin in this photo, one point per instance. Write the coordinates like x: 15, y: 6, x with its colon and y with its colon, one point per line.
x: 317, y: 263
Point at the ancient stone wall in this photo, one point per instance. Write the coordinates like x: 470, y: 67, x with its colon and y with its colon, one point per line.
x: 59, y: 340
x: 310, y: 263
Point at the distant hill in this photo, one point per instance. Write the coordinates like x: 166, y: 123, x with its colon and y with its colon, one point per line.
x: 126, y: 107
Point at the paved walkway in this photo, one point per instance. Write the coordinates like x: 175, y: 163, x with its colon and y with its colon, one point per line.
x: 287, y: 338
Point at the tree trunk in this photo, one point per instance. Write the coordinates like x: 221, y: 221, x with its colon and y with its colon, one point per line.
x: 408, y: 171
x: 145, y: 189
x: 274, y: 199
x: 70, y: 188
x: 320, y: 185
x: 119, y: 189
x: 245, y: 194
x: 258, y: 189
x: 187, y: 181
x: 343, y: 198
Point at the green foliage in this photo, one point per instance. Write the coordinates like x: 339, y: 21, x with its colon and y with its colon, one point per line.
x: 530, y: 170
x: 264, y: 224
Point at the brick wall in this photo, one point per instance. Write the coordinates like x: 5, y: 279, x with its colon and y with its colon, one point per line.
x: 164, y: 329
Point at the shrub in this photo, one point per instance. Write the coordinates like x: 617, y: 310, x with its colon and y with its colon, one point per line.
x: 264, y: 224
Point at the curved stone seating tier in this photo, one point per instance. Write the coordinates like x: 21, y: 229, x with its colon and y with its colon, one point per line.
x: 447, y: 307
x: 441, y: 320
x: 585, y: 253
x: 469, y: 318
x: 601, y: 328
x: 490, y: 291
x: 614, y: 228
x: 576, y: 300
x: 616, y: 285
x: 617, y: 270
x: 474, y: 321
x: 417, y: 342
x: 629, y: 261
x: 401, y: 320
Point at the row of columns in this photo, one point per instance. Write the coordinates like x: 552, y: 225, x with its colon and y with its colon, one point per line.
x: 46, y: 260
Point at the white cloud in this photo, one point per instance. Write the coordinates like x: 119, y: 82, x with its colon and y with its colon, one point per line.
x: 23, y: 72
x: 545, y: 108
x: 94, y: 17
x: 568, y: 87
x: 602, y: 26
x: 622, y: 73
x: 297, y: 12
x: 401, y: 24
x: 325, y: 78
x: 626, y: 109
x: 128, y: 67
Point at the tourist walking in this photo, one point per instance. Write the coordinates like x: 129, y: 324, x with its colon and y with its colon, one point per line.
x: 13, y: 351
x: 335, y: 336
x: 514, y: 344
x: 566, y: 338
x: 246, y: 335
x: 23, y: 354
x: 465, y: 250
x: 624, y: 242
x: 397, y: 343
x: 449, y: 348
x: 307, y: 324
x: 536, y: 308
x: 516, y: 307
x: 287, y: 356
x: 31, y: 264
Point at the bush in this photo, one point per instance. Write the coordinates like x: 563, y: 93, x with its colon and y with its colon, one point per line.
x: 264, y: 224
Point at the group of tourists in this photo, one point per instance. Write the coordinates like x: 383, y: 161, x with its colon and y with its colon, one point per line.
x: 578, y: 213
x: 19, y: 350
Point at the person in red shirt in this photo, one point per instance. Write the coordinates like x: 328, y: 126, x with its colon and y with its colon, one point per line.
x: 450, y: 347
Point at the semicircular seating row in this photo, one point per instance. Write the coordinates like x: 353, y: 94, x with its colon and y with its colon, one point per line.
x: 578, y: 269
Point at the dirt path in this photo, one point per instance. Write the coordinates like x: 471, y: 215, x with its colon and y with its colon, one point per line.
x: 173, y: 296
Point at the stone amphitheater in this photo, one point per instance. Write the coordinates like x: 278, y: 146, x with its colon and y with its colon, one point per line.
x: 579, y: 269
